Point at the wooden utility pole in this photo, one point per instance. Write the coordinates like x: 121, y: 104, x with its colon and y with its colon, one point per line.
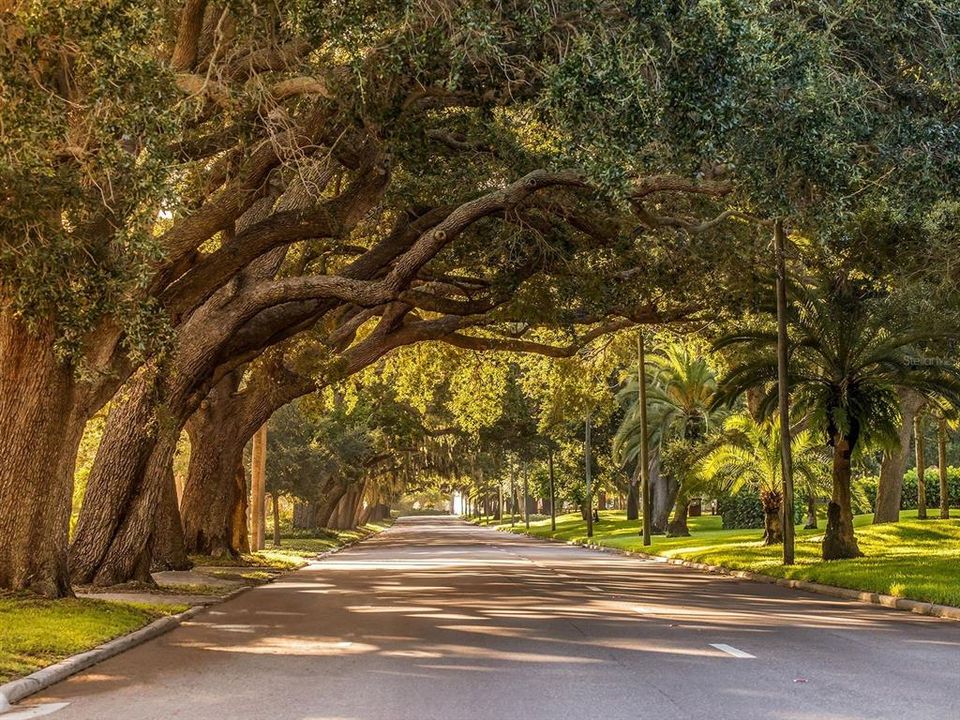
x: 258, y: 483
x: 553, y: 493
x: 526, y: 495
x: 942, y: 467
x: 513, y: 494
x: 921, y: 467
x: 644, y: 444
x: 783, y: 393
x: 586, y: 459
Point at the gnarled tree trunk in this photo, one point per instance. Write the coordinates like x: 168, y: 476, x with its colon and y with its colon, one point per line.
x: 241, y: 535
x: 327, y: 506
x: 167, y: 550
x: 305, y: 515
x: 41, y: 423
x: 894, y: 464
x: 212, y: 496
x: 839, y: 541
x: 112, y: 542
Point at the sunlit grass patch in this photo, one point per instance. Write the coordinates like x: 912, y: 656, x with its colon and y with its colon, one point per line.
x: 917, y: 559
x: 35, y: 632
x: 295, y: 552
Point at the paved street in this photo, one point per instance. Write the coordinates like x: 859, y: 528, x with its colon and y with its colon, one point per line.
x: 438, y: 620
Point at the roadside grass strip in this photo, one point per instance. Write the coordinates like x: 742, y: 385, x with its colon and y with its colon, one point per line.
x: 914, y: 559
x: 35, y: 632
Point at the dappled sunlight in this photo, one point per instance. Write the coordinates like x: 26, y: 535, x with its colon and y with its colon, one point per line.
x: 486, y: 618
x: 290, y: 645
x: 99, y: 677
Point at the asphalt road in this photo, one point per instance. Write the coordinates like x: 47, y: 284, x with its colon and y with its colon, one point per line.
x: 439, y: 620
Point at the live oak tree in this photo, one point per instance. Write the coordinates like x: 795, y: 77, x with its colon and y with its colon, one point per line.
x: 189, y: 184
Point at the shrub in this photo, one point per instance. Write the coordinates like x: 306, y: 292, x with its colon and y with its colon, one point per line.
x: 744, y: 510
x: 908, y: 500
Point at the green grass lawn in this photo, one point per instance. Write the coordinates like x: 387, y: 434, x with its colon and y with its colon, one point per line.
x: 35, y: 632
x: 914, y: 559
x: 294, y: 552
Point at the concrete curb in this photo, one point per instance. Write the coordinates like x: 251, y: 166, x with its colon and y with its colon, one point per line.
x: 16, y: 690
x: 918, y: 607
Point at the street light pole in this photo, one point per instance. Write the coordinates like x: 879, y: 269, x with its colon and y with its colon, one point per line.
x: 586, y: 454
x: 553, y: 494
x: 644, y: 445
x: 783, y: 394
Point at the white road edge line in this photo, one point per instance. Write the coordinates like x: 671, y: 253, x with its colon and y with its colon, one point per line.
x: 730, y: 650
x: 594, y: 588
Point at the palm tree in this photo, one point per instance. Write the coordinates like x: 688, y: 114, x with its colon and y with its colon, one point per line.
x: 680, y: 400
x: 850, y: 351
x: 747, y: 454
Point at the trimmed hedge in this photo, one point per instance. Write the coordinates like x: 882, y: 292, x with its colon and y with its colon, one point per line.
x: 743, y: 510
x: 908, y: 500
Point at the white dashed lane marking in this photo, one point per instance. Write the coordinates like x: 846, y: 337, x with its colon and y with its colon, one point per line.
x: 730, y: 650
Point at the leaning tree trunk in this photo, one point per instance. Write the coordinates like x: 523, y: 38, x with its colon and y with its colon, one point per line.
x: 677, y: 527
x: 358, y: 510
x: 772, y: 501
x: 894, y: 465
x: 328, y: 504
x: 839, y: 541
x: 41, y: 423
x: 241, y: 534
x: 112, y: 543
x: 167, y: 550
x: 212, y: 495
x: 305, y: 515
x: 213, y: 500
x: 343, y: 515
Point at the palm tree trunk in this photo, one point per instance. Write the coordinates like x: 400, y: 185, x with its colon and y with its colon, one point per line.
x: 811, y: 511
x: 942, y: 467
x: 633, y: 499
x: 839, y: 541
x: 678, y: 526
x: 772, y: 501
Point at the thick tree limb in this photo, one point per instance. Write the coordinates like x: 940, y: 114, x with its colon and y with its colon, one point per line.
x: 477, y: 342
x: 188, y: 35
